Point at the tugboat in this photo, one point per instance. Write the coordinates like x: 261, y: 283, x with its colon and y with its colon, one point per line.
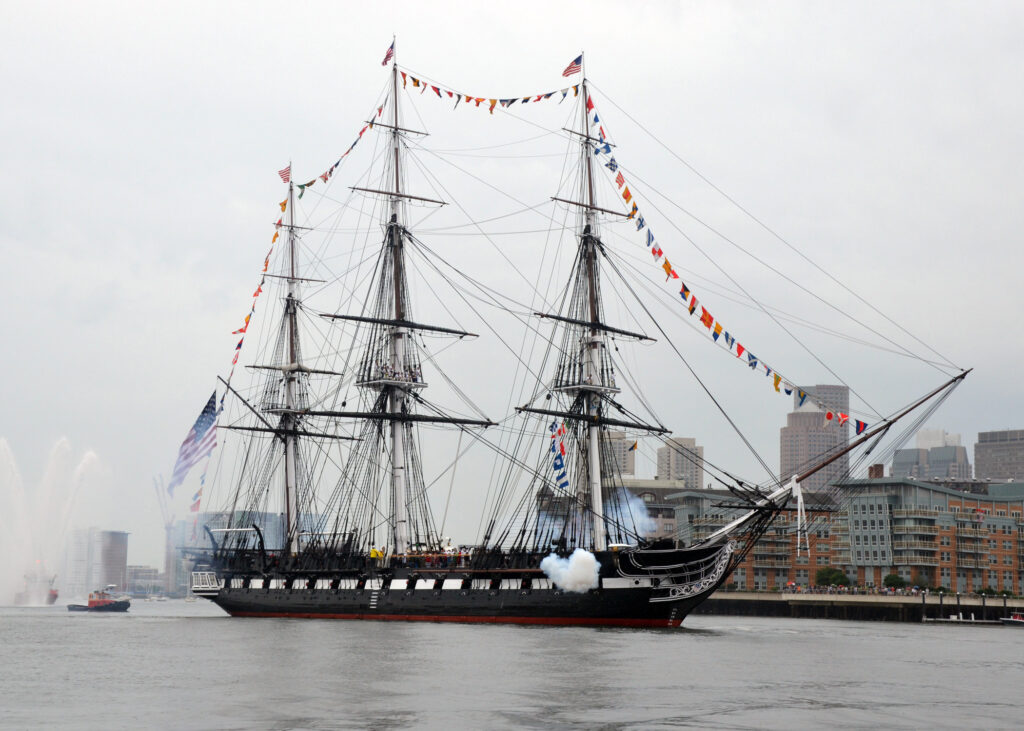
x: 102, y: 601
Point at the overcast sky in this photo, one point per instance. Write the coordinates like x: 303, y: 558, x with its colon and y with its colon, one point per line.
x: 139, y: 150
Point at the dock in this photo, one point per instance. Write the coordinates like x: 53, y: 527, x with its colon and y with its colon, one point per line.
x: 947, y: 608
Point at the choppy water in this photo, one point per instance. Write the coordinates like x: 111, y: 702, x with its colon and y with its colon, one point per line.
x: 181, y: 665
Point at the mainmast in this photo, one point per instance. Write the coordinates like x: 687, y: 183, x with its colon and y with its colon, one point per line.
x: 289, y: 420
x: 398, y: 334
x: 594, y: 340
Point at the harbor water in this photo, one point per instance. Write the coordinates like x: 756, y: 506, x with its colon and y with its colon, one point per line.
x: 180, y: 665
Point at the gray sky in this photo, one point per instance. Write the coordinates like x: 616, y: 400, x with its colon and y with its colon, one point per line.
x: 140, y: 147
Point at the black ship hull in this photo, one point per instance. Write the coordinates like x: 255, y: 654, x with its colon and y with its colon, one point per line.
x: 658, y: 593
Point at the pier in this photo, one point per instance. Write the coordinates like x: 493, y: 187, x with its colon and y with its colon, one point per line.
x: 978, y: 609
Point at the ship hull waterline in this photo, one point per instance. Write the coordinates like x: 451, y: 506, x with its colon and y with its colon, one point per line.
x: 610, y: 608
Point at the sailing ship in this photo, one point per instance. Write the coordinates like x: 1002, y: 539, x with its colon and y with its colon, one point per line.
x: 564, y: 543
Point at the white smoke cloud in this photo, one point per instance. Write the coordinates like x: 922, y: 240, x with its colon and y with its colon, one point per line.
x: 634, y: 512
x: 577, y: 573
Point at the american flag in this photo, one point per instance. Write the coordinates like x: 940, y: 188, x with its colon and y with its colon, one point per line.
x: 201, y: 440
x: 389, y: 55
x: 575, y: 67
x: 286, y: 174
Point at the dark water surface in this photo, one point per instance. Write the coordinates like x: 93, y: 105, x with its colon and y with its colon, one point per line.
x: 186, y: 665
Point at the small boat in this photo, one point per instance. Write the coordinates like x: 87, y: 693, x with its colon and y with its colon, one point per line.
x: 1014, y: 620
x: 102, y: 601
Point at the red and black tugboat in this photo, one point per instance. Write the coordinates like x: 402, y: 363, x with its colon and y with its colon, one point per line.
x: 102, y: 601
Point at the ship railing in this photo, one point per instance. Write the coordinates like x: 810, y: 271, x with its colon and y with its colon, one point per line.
x: 205, y: 583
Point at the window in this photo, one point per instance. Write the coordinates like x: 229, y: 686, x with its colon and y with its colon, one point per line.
x: 823, y: 560
x: 872, y: 525
x: 1007, y: 545
x: 871, y: 508
x: 1008, y: 560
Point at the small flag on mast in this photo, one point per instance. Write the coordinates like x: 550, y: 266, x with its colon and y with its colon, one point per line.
x: 575, y: 67
x: 201, y: 440
x: 286, y: 174
x: 389, y: 55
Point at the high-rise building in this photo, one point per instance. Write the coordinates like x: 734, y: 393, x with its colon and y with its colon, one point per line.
x: 620, y: 443
x: 999, y: 455
x: 832, y: 397
x: 95, y: 559
x: 682, y: 459
x: 809, y: 437
x: 938, y: 456
x: 931, y: 438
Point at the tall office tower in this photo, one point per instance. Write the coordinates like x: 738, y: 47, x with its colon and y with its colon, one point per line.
x: 625, y: 458
x: 809, y: 437
x: 682, y: 459
x: 95, y: 559
x: 999, y: 455
x: 931, y: 438
x: 932, y: 464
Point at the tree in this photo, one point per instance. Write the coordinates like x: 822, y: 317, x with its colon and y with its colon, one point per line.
x: 894, y: 581
x: 829, y: 576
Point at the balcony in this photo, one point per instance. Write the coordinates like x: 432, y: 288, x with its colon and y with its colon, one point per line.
x: 922, y: 529
x: 972, y: 532
x: 970, y: 563
x: 915, y: 513
x: 709, y: 521
x: 765, y: 551
x: 841, y: 557
x: 915, y: 559
x: 771, y: 564
x: 971, y: 548
x: 914, y: 546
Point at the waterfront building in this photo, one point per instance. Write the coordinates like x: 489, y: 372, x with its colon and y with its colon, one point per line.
x: 999, y: 455
x: 808, y: 435
x: 143, y: 580
x: 681, y: 458
x: 928, y: 534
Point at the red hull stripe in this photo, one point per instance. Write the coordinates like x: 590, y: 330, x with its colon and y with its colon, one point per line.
x: 465, y: 618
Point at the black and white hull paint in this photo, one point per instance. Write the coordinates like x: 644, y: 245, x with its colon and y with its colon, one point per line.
x: 636, y: 588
